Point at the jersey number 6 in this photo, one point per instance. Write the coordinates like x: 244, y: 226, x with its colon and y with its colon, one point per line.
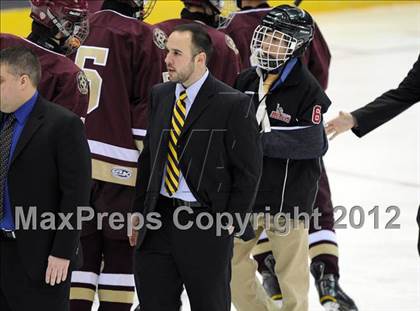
x: 100, y: 58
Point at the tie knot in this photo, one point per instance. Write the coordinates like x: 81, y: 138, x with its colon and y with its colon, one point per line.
x: 183, y: 95
x: 8, y: 119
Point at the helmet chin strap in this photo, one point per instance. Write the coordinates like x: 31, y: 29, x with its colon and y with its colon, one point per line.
x: 57, y: 23
x: 68, y: 42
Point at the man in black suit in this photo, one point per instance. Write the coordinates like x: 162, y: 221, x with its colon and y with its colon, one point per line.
x: 381, y: 110
x: 44, y: 178
x: 201, y: 158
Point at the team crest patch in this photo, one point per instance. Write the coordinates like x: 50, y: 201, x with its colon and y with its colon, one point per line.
x: 231, y: 44
x: 160, y: 38
x: 121, y: 173
x: 280, y: 115
x: 82, y: 83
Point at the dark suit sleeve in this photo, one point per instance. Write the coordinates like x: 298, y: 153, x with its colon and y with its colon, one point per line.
x: 143, y: 168
x: 389, y: 104
x: 74, y: 170
x: 244, y: 149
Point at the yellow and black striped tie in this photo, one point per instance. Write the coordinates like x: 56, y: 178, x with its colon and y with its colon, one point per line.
x: 172, y: 165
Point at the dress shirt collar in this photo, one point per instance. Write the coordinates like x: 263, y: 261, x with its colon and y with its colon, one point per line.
x: 24, y: 111
x: 193, y: 89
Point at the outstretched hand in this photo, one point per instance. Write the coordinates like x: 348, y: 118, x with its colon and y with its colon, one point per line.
x: 344, y: 122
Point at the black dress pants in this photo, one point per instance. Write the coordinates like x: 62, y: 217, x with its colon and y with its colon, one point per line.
x: 18, y: 292
x: 170, y: 258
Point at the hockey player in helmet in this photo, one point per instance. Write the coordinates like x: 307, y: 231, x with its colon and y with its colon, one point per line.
x: 280, y: 37
x: 289, y: 104
x: 58, y: 28
x: 59, y: 25
x: 323, y: 246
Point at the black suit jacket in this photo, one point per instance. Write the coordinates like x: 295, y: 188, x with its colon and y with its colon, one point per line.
x: 221, y: 154
x: 50, y: 170
x: 389, y: 104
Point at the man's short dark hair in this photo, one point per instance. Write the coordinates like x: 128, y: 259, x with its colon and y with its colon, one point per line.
x: 22, y: 61
x: 201, y: 40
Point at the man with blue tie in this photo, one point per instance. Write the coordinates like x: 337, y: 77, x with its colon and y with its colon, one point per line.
x: 202, y: 153
x: 44, y: 170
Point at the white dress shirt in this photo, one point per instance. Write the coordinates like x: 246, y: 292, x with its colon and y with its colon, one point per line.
x: 183, y: 192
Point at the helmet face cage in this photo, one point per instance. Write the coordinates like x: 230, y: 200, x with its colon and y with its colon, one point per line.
x: 147, y: 8
x: 228, y: 7
x: 71, y: 23
x: 227, y: 13
x: 217, y: 5
x: 270, y: 48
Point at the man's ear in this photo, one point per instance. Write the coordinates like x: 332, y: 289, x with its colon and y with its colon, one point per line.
x: 24, y: 81
x: 202, y: 57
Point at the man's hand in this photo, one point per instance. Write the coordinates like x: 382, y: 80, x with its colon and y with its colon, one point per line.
x: 57, y: 270
x: 344, y: 122
x: 134, y: 232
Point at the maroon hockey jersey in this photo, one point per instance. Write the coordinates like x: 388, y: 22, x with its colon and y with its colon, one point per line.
x: 94, y: 5
x: 317, y: 58
x: 122, y: 64
x: 225, y: 63
x: 241, y: 28
x: 62, y: 82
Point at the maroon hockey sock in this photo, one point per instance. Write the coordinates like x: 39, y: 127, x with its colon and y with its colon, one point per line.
x: 260, y: 258
x: 331, y: 263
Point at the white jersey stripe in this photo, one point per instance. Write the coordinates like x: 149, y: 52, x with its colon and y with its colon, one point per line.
x: 323, y: 235
x: 139, y: 132
x: 116, y: 279
x: 84, y: 277
x: 289, y: 128
x: 110, y: 151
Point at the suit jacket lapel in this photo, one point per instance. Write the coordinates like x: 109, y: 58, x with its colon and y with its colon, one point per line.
x: 35, y: 120
x: 201, y: 102
x: 163, y: 117
x: 166, y: 107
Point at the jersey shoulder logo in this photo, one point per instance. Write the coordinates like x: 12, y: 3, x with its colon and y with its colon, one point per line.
x: 82, y: 83
x: 231, y: 44
x: 159, y: 38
